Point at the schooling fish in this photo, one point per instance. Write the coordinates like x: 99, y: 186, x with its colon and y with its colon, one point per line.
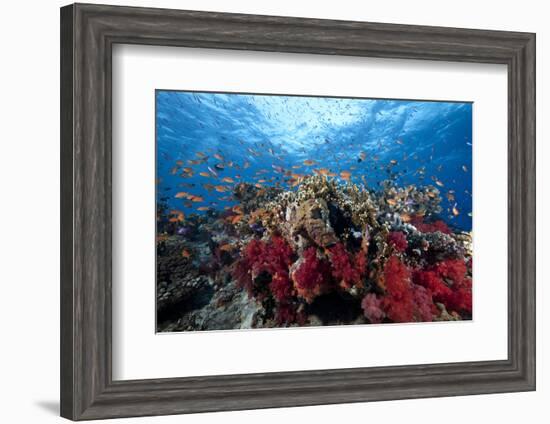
x: 212, y: 171
x: 345, y: 175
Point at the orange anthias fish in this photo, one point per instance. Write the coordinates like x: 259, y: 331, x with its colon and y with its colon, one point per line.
x: 196, y: 198
x: 220, y: 188
x: 181, y: 194
x: 309, y: 162
x: 226, y: 247
x: 218, y: 156
x: 345, y: 175
x: 236, y: 218
x: 205, y: 174
x: 321, y: 171
x: 228, y: 180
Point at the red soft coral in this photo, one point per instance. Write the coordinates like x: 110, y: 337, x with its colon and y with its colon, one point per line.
x: 433, y: 282
x: 347, y: 269
x: 272, y: 258
x: 372, y: 308
x: 398, y: 302
x: 430, y: 227
x: 398, y: 240
x: 311, y: 277
x: 448, y: 283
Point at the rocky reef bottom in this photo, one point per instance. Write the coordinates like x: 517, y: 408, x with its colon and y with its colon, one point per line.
x: 322, y: 254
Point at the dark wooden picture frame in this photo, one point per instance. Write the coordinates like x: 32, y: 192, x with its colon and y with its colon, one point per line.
x: 88, y: 33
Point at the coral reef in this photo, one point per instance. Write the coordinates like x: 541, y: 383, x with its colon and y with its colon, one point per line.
x: 320, y: 253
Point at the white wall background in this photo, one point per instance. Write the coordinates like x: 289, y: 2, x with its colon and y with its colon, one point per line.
x: 29, y: 216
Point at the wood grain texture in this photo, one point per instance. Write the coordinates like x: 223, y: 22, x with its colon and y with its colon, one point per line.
x: 88, y: 33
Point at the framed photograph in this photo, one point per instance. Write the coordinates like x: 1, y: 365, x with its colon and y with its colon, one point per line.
x: 269, y: 211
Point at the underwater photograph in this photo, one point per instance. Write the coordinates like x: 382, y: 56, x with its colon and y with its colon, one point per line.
x: 280, y: 211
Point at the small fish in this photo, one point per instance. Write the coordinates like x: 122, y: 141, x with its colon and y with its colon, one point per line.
x: 309, y: 162
x: 226, y: 247
x: 196, y: 199
x: 345, y: 175
x: 201, y: 155
x: 219, y: 166
x: 179, y: 162
x: 236, y: 218
x: 405, y: 217
x: 362, y: 156
x: 246, y: 165
x: 181, y: 194
x: 220, y: 188
x: 174, y: 170
x: 218, y: 156
x: 188, y: 170
x: 213, y: 172
x: 439, y: 183
x: 464, y: 168
x: 228, y: 180
x: 205, y: 174
x: 391, y: 201
x: 393, y: 162
x: 455, y: 210
x: 203, y: 208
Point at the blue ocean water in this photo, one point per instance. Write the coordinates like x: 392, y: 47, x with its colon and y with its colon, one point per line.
x: 208, y: 142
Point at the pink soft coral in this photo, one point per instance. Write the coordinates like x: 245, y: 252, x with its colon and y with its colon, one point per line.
x: 372, y: 308
x: 347, y: 269
x: 311, y: 278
